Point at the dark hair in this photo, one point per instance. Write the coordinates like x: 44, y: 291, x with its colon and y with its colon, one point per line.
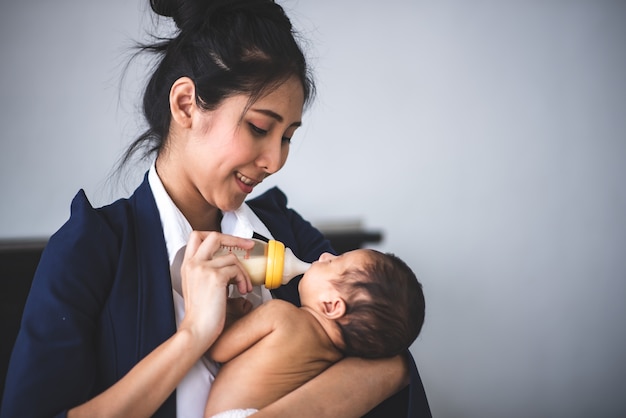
x: 227, y: 47
x: 384, y: 307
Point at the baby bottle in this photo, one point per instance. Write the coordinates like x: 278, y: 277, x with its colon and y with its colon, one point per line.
x: 268, y: 263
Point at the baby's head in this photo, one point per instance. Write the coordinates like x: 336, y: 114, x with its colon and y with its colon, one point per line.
x: 374, y: 298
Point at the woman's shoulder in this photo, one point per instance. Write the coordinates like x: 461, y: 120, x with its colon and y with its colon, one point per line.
x: 95, y: 231
x: 272, y: 198
x: 110, y: 221
x: 87, y: 222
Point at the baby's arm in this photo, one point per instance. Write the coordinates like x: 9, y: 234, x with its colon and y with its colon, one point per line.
x: 243, y: 334
x: 241, y: 339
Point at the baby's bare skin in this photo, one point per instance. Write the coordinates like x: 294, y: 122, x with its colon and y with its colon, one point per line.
x: 268, y: 353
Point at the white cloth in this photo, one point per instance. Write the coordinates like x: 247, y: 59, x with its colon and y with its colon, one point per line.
x: 236, y: 413
x: 243, y: 222
x: 193, y: 390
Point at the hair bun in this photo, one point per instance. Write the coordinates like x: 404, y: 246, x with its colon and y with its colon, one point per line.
x: 181, y: 11
x: 185, y: 12
x: 167, y: 8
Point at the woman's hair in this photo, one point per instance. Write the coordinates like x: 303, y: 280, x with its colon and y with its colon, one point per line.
x: 384, y: 307
x: 227, y: 47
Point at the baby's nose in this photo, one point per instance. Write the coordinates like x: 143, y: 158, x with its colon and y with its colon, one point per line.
x: 326, y: 256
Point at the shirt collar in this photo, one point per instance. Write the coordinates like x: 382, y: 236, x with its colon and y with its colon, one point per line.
x: 242, y: 222
x: 176, y: 228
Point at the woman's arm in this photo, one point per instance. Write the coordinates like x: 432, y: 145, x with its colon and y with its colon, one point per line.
x: 142, y: 391
x: 350, y: 388
x: 204, y: 280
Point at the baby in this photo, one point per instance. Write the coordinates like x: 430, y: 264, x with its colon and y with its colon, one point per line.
x: 362, y: 303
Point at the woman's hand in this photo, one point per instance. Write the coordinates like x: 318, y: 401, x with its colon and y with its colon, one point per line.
x: 204, y: 282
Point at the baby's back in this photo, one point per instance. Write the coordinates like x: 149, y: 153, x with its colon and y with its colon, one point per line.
x: 292, y: 349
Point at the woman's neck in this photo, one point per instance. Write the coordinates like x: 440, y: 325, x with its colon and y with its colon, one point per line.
x: 201, y: 215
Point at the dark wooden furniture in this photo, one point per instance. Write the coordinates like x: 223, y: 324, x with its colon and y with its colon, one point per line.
x: 18, y: 262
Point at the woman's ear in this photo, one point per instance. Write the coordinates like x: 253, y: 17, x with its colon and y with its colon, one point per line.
x: 334, y: 308
x: 183, y: 101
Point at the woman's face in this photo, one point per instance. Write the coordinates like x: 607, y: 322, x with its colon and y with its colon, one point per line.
x: 224, y: 155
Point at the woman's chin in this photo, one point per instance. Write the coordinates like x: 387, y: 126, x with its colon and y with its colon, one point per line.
x: 233, y: 204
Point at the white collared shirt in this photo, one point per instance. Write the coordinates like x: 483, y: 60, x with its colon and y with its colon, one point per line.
x: 192, y: 391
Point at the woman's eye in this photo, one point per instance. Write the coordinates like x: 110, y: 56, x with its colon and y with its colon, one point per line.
x: 263, y: 132
x: 257, y: 130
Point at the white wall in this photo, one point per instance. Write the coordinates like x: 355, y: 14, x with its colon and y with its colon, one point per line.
x: 485, y: 138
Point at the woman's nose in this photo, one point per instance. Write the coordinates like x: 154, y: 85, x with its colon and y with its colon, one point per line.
x: 273, y: 156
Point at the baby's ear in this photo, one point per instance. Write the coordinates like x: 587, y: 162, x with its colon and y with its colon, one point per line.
x: 334, y: 309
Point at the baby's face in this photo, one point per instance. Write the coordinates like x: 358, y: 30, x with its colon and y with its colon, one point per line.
x: 317, y: 281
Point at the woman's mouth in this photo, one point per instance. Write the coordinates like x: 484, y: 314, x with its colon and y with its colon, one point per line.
x: 246, y: 183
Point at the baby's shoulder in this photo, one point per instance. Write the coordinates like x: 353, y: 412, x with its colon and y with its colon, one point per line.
x: 284, y: 316
x: 279, y: 306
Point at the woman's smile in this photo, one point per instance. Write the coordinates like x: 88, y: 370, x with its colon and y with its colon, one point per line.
x: 246, y: 183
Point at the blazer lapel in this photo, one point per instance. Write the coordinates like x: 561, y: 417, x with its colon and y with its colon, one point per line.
x: 156, y: 306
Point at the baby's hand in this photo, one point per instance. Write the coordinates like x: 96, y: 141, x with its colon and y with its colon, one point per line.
x: 236, y: 308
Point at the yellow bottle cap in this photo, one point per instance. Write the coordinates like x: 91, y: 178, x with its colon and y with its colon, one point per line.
x: 275, y: 264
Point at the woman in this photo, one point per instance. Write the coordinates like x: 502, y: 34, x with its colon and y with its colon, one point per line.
x: 128, y: 297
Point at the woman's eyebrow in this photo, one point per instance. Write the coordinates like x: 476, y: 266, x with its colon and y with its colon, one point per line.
x: 274, y: 115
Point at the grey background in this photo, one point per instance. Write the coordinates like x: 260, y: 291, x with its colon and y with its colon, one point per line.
x: 484, y: 138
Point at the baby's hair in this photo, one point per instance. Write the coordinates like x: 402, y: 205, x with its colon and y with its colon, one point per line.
x: 385, y: 307
x: 227, y: 48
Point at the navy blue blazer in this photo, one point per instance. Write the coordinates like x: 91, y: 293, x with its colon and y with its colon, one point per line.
x: 101, y: 300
